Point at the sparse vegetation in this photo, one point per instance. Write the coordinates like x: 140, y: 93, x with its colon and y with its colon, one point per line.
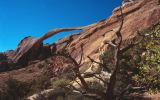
x: 62, y: 82
x: 18, y: 90
x: 126, y: 67
x: 15, y: 90
x: 140, y: 65
x: 149, y: 67
x: 40, y: 83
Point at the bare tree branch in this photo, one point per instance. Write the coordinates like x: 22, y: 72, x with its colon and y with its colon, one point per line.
x: 100, y: 64
x: 134, y: 43
x: 110, y: 43
x: 100, y: 78
x: 81, y: 54
x: 82, y: 80
x: 78, y: 83
x: 112, y: 82
x: 76, y: 70
x: 94, y: 60
x: 74, y: 88
x: 127, y: 48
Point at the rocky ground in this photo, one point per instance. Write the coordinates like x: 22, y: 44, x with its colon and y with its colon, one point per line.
x: 138, y: 16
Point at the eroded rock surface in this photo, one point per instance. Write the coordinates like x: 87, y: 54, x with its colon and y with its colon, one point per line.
x: 138, y: 16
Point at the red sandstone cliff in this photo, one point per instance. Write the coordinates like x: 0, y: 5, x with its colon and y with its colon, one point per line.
x: 137, y: 17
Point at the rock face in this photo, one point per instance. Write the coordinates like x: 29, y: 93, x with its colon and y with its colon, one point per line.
x: 23, y: 55
x: 22, y: 48
x: 31, y: 48
x: 138, y: 16
x: 15, y: 56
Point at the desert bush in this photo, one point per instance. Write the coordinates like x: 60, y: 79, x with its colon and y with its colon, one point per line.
x: 15, y: 90
x: 107, y: 58
x: 140, y: 65
x: 40, y: 83
x: 149, y: 67
x: 62, y: 82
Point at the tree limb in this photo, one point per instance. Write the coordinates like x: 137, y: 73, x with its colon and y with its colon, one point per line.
x: 76, y: 70
x: 100, y: 64
x: 112, y: 82
x: 110, y: 43
x: 81, y: 54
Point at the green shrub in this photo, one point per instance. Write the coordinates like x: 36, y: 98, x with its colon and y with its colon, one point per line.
x: 39, y: 84
x: 140, y: 65
x: 15, y: 90
x: 107, y: 58
x: 149, y: 68
x: 62, y: 82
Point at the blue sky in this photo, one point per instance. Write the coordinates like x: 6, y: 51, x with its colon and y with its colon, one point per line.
x: 21, y: 18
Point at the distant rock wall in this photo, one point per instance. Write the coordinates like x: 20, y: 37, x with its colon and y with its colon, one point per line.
x: 138, y: 16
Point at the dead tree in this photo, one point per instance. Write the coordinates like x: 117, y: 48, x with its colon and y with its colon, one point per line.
x: 112, y: 82
x: 77, y: 72
x: 117, y: 44
x: 109, y: 94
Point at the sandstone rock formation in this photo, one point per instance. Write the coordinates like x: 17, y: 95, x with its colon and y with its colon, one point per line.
x: 138, y: 16
x: 31, y: 48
